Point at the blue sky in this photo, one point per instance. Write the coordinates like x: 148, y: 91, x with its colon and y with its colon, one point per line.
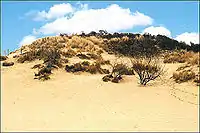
x: 177, y: 20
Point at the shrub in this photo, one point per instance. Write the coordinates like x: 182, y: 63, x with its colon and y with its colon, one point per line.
x: 147, y: 69
x: 44, y: 77
x: 38, y: 66
x: 183, y: 67
x: 197, y: 80
x: 85, y: 63
x: 102, y: 61
x: 114, y: 79
x: 43, y: 73
x: 2, y: 58
x: 93, y: 69
x: 183, y: 76
x: 83, y: 56
x: 70, y: 53
x: 121, y: 69
x: 44, y: 70
x: 28, y: 56
x: 8, y: 63
x: 93, y: 56
x: 107, y: 78
x: 194, y: 60
x: 86, y: 67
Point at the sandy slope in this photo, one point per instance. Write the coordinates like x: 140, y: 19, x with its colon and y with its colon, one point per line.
x: 85, y: 103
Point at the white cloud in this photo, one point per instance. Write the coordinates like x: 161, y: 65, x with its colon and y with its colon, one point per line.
x: 157, y: 30
x: 113, y: 18
x: 27, y: 40
x: 56, y: 11
x: 188, y: 37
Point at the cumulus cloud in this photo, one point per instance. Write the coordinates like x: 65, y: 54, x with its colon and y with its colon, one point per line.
x: 113, y: 18
x: 56, y: 11
x: 157, y: 31
x: 188, y: 37
x: 27, y: 40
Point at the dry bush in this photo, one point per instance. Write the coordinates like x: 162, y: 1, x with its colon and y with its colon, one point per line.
x: 183, y: 67
x: 148, y: 69
x: 94, y: 39
x: 8, y: 63
x: 100, y: 51
x: 96, y: 68
x: 103, y: 62
x: 181, y: 57
x: 94, y: 56
x: 43, y: 73
x: 28, y: 56
x: 197, y: 79
x: 69, y: 53
x: 121, y: 69
x: 52, y: 57
x: 85, y: 63
x: 2, y: 58
x: 183, y: 76
x: 86, y: 67
x: 118, y: 69
x: 194, y: 60
x: 38, y: 66
x: 174, y: 58
x: 44, y: 77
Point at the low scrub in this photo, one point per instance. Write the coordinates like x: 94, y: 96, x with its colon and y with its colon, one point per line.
x: 43, y: 73
x: 147, y: 69
x: 8, y: 63
x: 121, y: 69
x: 86, y: 67
x: 183, y: 76
x: 114, y: 79
x: 181, y: 57
x: 2, y: 58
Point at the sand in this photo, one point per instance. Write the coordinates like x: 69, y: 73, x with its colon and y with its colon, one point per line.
x: 83, y: 102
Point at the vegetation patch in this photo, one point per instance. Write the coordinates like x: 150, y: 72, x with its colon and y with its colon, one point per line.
x: 8, y: 63
x: 183, y: 76
x: 2, y: 58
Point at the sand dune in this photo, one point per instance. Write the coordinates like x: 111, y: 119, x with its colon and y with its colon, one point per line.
x: 83, y: 102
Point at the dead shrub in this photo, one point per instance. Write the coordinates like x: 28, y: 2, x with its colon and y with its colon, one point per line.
x: 28, y: 56
x: 107, y: 78
x: 38, y: 66
x: 116, y: 79
x: 181, y: 57
x: 99, y: 51
x: 183, y: 67
x: 44, y: 77
x: 83, y: 56
x: 8, y: 63
x: 147, y: 69
x: 93, y: 56
x: 85, y: 63
x: 43, y: 73
x: 121, y: 69
x: 197, y: 80
x: 194, y: 60
x: 103, y: 62
x: 183, y: 76
x: 70, y: 53
x: 2, y: 58
x: 86, y: 67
